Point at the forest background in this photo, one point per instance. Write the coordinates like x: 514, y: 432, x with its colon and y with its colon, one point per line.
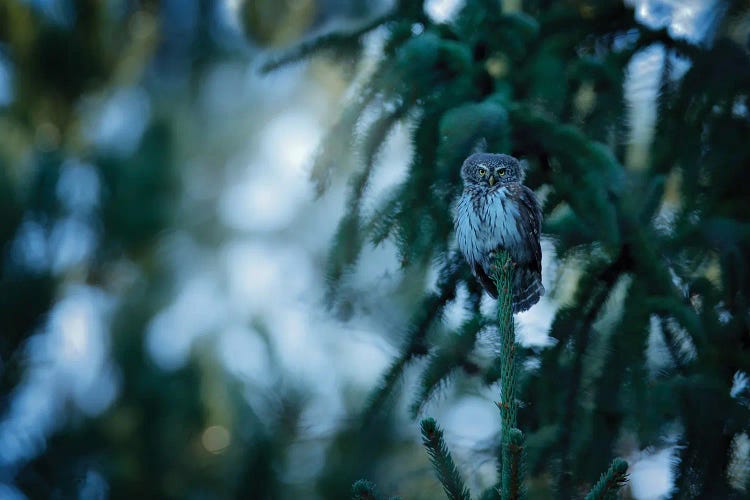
x: 226, y: 256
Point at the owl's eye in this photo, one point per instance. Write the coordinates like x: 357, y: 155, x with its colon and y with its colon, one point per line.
x: 482, y: 172
x: 502, y: 172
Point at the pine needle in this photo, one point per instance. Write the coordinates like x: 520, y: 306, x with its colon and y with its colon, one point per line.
x: 445, y: 468
x: 610, y: 482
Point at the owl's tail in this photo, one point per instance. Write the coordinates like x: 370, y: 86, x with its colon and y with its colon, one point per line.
x: 527, y: 289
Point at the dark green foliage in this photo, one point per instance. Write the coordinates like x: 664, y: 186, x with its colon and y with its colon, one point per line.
x: 63, y: 60
x: 454, y: 353
x: 337, y: 142
x: 366, y: 490
x: 135, y: 208
x: 447, y: 473
x: 25, y: 293
x: 363, y: 490
x: 355, y: 452
x: 516, y: 465
x: 503, y: 279
x: 511, y: 463
x: 430, y: 309
x: 610, y: 482
x: 344, y: 257
x: 651, y: 251
x: 463, y: 127
x: 546, y: 84
x: 329, y: 41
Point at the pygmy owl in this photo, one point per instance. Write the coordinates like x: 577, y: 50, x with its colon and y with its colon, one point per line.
x: 497, y: 212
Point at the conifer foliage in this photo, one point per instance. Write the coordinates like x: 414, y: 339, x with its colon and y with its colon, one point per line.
x: 658, y: 247
x: 648, y: 249
x: 432, y: 437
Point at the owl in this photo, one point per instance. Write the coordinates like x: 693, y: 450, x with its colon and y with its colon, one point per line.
x: 497, y: 212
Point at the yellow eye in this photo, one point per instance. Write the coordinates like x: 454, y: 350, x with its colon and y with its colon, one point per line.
x: 482, y: 172
x: 501, y: 172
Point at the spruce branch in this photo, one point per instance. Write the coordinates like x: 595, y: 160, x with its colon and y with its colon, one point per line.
x: 382, y: 395
x: 503, y: 278
x: 337, y: 144
x: 593, y: 297
x: 515, y: 451
x: 591, y: 163
x: 610, y: 482
x: 429, y: 310
x: 348, y: 240
x: 338, y: 139
x: 327, y: 41
x: 450, y: 356
x: 363, y: 489
x: 618, y: 385
x: 512, y: 439
x: 383, y: 220
x: 445, y: 468
x: 491, y: 493
x: 672, y: 342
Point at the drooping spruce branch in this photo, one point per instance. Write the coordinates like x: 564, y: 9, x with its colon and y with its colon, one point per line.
x: 348, y: 239
x: 672, y: 343
x: 601, y: 287
x: 445, y: 468
x: 446, y: 359
x: 363, y: 490
x: 327, y: 41
x: 429, y: 311
x: 338, y: 140
x: 512, y: 438
x: 610, y: 482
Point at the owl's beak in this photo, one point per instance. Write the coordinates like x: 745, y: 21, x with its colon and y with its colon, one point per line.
x: 492, y: 180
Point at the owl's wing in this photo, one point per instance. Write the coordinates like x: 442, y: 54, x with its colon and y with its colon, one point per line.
x: 486, y: 282
x: 530, y: 222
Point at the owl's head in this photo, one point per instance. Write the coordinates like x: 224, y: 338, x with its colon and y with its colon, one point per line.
x: 491, y: 170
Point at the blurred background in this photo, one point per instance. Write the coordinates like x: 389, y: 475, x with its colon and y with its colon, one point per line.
x: 168, y: 326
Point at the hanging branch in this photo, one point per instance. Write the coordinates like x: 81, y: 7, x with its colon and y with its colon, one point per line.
x: 446, y: 360
x: 601, y: 287
x: 415, y: 346
x: 327, y: 41
x: 610, y: 482
x: 512, y: 439
x: 445, y: 468
x: 348, y: 239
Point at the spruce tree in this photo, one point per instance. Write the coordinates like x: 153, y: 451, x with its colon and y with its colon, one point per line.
x: 657, y: 248
x: 670, y: 235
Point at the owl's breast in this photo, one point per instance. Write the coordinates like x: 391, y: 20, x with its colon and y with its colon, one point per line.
x: 502, y: 216
x: 486, y: 221
x: 468, y: 229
